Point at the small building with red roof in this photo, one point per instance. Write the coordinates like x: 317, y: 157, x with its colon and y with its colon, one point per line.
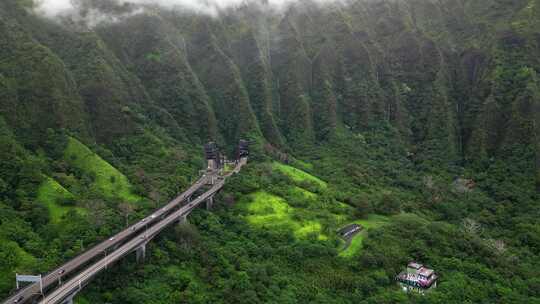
x: 417, y: 277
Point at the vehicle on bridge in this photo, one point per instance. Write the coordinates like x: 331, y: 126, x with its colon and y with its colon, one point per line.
x: 133, y: 238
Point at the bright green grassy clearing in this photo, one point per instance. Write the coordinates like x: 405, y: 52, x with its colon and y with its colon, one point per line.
x: 268, y: 209
x: 50, y: 193
x: 308, y: 228
x: 228, y: 168
x: 355, y: 246
x: 373, y: 221
x: 271, y: 211
x: 341, y: 219
x: 344, y: 207
x: 109, y: 181
x: 298, y: 175
x: 303, y: 192
x: 302, y: 165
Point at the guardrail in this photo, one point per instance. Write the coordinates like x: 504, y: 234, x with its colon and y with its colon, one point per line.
x: 75, y: 284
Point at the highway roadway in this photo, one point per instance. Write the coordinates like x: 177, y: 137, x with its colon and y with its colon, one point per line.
x: 73, y: 285
x: 53, y: 277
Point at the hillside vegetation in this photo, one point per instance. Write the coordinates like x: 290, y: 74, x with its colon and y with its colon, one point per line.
x: 106, y: 179
x: 55, y: 197
x: 417, y: 119
x: 373, y: 221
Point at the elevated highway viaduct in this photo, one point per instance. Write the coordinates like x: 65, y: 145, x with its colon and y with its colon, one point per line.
x: 120, y: 244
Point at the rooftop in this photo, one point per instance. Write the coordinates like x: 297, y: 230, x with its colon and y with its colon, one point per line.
x: 349, y: 229
x: 426, y: 272
x: 415, y: 265
x: 422, y: 276
x: 415, y: 280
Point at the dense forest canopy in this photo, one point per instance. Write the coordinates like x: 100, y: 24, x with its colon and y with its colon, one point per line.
x: 417, y: 119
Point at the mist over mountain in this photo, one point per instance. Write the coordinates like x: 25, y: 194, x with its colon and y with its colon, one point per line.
x: 432, y: 71
x: 94, y: 12
x: 418, y: 119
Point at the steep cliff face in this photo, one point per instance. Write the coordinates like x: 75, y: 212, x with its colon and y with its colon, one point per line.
x: 249, y: 54
x: 537, y: 136
x: 222, y: 81
x: 386, y: 101
x: 155, y: 51
x: 106, y: 88
x: 39, y: 91
x: 324, y: 99
x: 456, y: 79
x: 292, y: 70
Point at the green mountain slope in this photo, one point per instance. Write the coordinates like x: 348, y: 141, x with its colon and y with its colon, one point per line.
x: 56, y: 198
x: 419, y: 118
x: 106, y: 179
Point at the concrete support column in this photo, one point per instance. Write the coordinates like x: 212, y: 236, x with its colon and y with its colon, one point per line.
x: 209, y: 202
x: 69, y: 299
x: 211, y: 180
x: 141, y: 253
x: 211, y: 164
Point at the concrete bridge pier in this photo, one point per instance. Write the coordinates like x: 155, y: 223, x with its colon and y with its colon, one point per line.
x: 209, y: 202
x: 69, y: 299
x: 141, y: 253
x: 211, y: 180
x: 211, y: 164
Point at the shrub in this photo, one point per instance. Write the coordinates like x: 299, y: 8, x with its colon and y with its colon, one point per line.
x: 389, y: 205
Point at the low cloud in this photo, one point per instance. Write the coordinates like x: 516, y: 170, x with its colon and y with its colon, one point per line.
x: 92, y: 8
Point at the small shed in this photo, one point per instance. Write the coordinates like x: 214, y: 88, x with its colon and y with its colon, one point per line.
x: 350, y: 230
